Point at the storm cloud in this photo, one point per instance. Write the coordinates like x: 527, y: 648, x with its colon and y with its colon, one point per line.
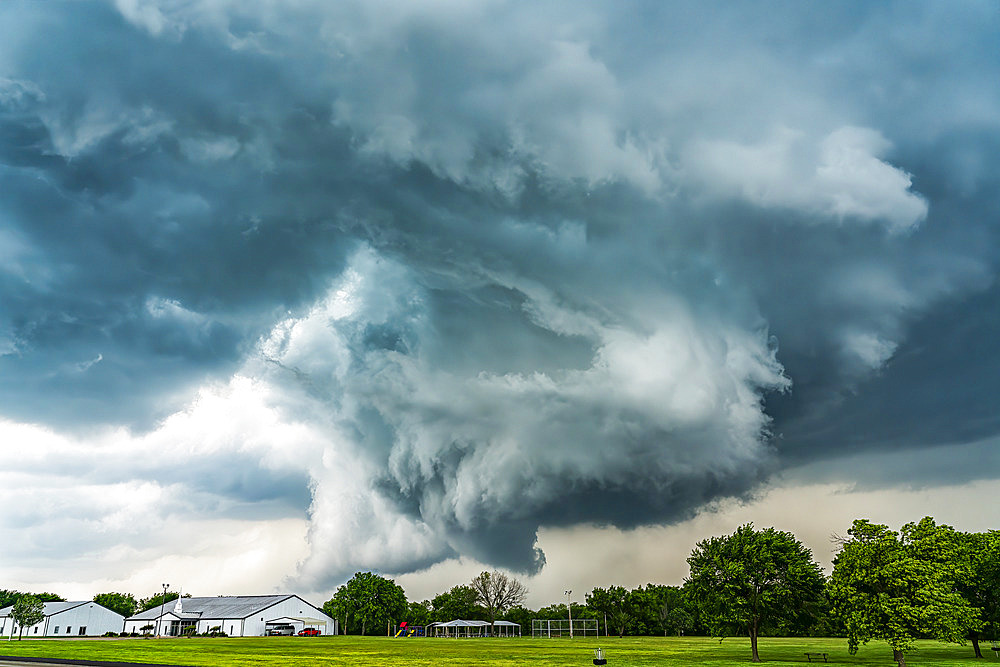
x: 434, y: 276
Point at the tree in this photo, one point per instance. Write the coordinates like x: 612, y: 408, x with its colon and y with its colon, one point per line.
x: 612, y: 602
x: 979, y: 582
x: 459, y: 602
x: 8, y: 598
x: 27, y: 611
x: 522, y: 616
x: 159, y: 599
x: 753, y: 580
x: 369, y: 600
x: 121, y: 603
x: 895, y: 587
x: 676, y: 620
x: 497, y: 592
x: 419, y: 613
x: 674, y: 613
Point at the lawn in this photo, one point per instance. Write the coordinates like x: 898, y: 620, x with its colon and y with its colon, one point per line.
x: 385, y: 652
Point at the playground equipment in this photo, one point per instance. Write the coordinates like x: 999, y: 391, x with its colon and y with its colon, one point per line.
x: 407, y: 630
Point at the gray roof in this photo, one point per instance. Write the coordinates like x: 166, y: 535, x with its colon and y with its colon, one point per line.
x: 229, y: 606
x: 50, y: 608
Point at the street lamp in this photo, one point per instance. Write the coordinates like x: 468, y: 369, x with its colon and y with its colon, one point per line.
x: 569, y: 606
x: 163, y: 601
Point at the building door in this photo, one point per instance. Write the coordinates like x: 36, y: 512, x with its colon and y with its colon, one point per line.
x: 83, y: 630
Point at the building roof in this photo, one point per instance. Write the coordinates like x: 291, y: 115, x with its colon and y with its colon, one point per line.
x: 459, y: 623
x: 52, y: 608
x: 223, y: 606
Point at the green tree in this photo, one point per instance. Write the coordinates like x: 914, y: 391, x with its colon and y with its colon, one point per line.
x: 522, y: 616
x: 159, y: 600
x: 121, y: 603
x: 369, y: 601
x: 497, y: 592
x: 418, y: 613
x: 675, y: 613
x: 979, y: 582
x: 8, y: 597
x: 753, y: 580
x: 676, y: 620
x: 895, y: 587
x: 27, y: 611
x: 612, y: 602
x: 458, y: 602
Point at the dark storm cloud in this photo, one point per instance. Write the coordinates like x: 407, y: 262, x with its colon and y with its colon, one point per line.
x: 513, y: 266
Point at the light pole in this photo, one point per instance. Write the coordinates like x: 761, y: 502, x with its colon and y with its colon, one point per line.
x: 569, y: 606
x: 163, y: 601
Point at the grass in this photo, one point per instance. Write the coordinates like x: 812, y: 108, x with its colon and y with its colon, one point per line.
x: 385, y: 652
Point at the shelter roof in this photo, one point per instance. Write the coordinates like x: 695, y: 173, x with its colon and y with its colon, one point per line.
x: 459, y: 623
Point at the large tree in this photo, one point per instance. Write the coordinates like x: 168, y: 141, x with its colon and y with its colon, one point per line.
x: 121, y: 603
x: 613, y: 603
x: 497, y: 592
x: 457, y: 602
x: 899, y: 586
x: 369, y: 601
x: 979, y: 583
x: 27, y: 611
x: 753, y: 580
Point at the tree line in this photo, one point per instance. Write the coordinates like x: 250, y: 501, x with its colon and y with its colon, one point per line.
x: 925, y: 581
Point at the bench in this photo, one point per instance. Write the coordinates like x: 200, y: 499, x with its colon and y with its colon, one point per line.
x: 810, y: 656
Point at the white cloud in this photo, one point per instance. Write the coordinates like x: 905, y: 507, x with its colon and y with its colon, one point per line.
x: 840, y: 176
x: 212, y: 149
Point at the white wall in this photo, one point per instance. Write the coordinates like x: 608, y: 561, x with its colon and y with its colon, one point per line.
x: 96, y: 619
x: 93, y: 617
x: 163, y: 625
x: 293, y: 606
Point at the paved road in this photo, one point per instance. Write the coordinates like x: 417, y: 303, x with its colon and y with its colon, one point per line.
x: 21, y: 661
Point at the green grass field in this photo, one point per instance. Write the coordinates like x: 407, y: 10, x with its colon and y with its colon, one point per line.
x: 385, y: 652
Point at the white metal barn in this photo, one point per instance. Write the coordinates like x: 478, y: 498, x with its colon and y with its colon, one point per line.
x: 236, y: 615
x: 62, y: 619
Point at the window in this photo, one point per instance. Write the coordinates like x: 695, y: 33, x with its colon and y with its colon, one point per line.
x: 56, y: 631
x: 69, y: 630
x: 36, y: 629
x: 83, y: 630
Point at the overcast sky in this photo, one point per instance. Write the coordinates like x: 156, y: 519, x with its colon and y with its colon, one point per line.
x: 294, y: 289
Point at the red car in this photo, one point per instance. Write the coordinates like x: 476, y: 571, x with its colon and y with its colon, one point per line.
x: 310, y: 632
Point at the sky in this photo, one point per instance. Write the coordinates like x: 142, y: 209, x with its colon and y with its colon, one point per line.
x: 291, y: 290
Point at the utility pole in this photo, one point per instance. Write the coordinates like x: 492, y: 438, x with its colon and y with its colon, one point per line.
x: 569, y: 606
x: 163, y: 602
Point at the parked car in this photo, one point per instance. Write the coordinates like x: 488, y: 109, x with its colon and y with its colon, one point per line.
x: 283, y: 629
x: 310, y: 632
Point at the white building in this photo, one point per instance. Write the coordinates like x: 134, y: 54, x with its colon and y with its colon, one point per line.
x: 236, y: 615
x: 62, y: 619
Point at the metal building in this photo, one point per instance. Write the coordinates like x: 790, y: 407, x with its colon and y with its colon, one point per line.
x: 62, y: 619
x: 235, y: 615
